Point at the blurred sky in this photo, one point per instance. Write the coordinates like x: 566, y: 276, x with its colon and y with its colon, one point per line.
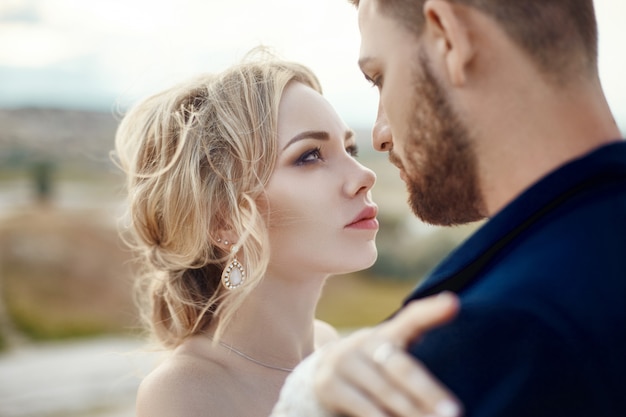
x: 98, y: 54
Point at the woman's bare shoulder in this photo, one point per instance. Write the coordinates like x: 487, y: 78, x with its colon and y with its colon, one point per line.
x: 184, y: 384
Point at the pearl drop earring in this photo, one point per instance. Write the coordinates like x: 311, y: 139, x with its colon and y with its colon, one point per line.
x: 233, y: 275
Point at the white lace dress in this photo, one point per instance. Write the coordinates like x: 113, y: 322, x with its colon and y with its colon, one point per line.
x: 297, y: 398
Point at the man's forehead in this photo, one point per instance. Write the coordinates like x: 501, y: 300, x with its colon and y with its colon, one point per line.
x: 366, y: 10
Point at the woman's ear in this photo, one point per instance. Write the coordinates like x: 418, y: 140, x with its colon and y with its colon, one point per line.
x: 447, y: 26
x: 225, y: 239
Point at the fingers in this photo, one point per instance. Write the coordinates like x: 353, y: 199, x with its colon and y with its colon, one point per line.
x: 356, y: 389
x: 370, y: 373
x: 359, y: 386
x: 349, y: 400
x: 413, y: 381
x: 405, y: 374
x: 418, y: 317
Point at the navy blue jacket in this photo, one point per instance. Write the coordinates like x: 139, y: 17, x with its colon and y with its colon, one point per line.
x: 542, y: 326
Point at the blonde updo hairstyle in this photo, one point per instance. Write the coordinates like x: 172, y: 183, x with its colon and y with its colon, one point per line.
x: 198, y: 157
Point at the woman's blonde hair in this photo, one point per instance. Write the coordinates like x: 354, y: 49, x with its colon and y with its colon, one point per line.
x: 198, y: 157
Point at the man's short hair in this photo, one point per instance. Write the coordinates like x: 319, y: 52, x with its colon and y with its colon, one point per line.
x: 560, y: 36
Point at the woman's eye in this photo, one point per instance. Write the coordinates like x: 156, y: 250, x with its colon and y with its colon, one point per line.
x: 352, y: 150
x: 310, y: 156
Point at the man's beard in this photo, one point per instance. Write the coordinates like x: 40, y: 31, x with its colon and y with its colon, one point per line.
x: 441, y: 167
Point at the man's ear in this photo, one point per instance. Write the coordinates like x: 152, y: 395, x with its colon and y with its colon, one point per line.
x: 447, y: 26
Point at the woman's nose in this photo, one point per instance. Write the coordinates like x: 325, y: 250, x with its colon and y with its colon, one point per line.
x: 361, y: 180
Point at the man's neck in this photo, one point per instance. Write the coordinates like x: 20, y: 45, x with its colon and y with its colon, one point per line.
x: 538, y: 136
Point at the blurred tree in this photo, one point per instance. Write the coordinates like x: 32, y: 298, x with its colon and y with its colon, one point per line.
x: 42, y: 171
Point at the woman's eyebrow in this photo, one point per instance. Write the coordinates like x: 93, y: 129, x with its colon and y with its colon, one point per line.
x: 309, y: 134
x: 317, y: 134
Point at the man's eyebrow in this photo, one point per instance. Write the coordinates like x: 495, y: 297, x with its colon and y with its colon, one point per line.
x: 309, y: 134
x: 364, y: 61
x: 348, y: 135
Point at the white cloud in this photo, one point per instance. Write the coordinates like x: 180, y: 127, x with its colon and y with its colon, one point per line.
x: 27, y: 45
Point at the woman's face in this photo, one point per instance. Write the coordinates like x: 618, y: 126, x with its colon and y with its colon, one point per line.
x: 321, y: 216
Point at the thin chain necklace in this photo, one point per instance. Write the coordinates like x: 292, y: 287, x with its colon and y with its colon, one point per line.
x: 243, y: 355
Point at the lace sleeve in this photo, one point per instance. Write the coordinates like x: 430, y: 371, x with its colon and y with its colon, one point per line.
x: 297, y: 398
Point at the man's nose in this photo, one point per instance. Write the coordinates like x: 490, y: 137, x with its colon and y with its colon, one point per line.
x: 381, y: 133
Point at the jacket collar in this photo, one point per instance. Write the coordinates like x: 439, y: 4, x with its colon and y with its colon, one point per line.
x: 605, y: 160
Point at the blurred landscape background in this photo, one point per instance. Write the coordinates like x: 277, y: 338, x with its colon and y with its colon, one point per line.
x: 66, y: 277
x: 70, y: 344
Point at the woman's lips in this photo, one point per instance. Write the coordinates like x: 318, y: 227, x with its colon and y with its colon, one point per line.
x: 368, y: 224
x: 366, y: 219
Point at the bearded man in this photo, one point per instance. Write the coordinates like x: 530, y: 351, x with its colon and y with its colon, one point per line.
x: 494, y: 109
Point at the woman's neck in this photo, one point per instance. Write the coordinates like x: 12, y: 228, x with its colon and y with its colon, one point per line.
x: 275, y: 325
